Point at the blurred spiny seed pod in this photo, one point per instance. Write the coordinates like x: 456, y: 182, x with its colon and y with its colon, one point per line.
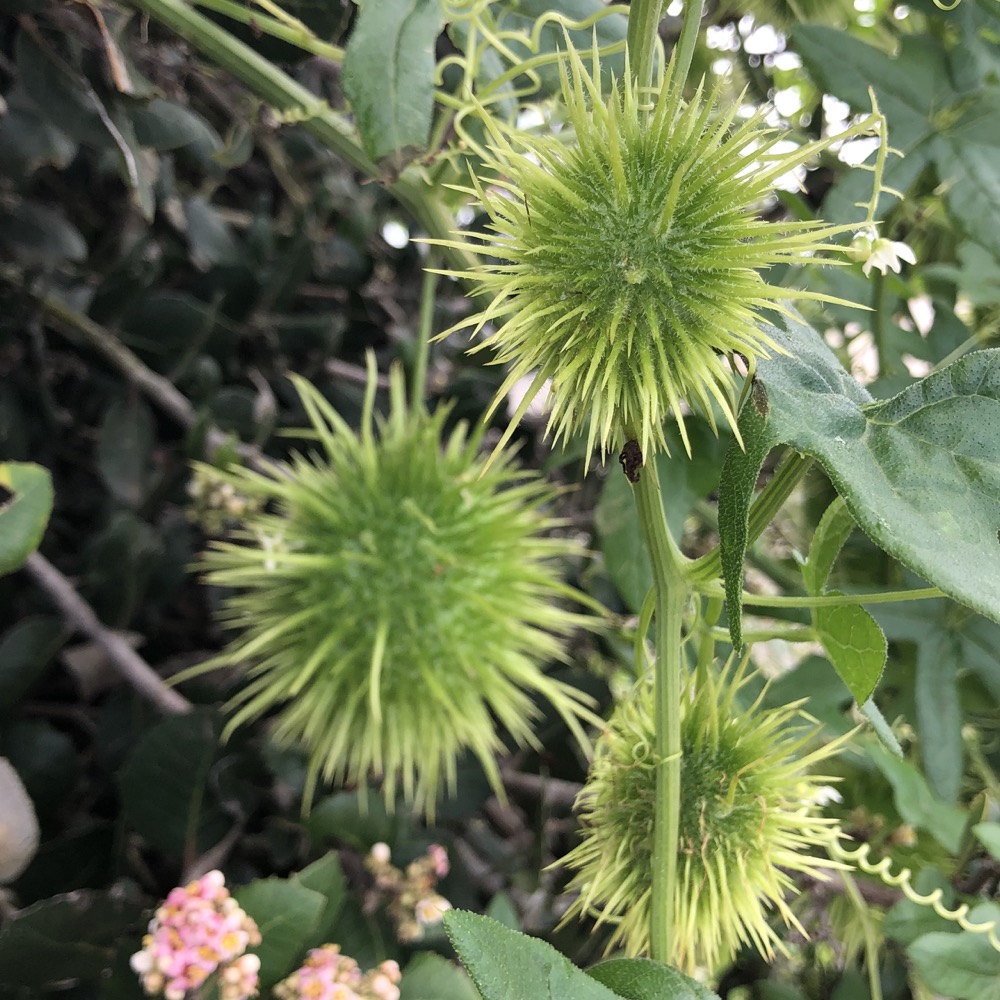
x: 624, y: 264
x: 393, y: 602
x: 749, y: 821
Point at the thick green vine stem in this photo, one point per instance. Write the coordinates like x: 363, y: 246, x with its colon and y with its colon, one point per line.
x: 643, y: 20
x: 672, y: 591
x: 296, y: 103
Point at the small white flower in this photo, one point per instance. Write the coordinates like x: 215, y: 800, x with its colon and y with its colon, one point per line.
x: 878, y: 252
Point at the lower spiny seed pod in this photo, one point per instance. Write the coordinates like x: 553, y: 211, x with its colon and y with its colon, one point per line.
x: 749, y: 821
x: 393, y: 602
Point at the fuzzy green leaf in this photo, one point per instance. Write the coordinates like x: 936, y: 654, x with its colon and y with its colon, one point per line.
x: 833, y: 530
x: 736, y: 489
x: 855, y: 645
x: 504, y: 963
x: 643, y: 979
x: 23, y: 516
x: 389, y: 76
x: 920, y: 472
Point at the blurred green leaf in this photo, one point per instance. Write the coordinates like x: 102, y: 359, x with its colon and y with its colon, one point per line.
x: 951, y: 642
x: 430, y: 977
x: 165, y: 786
x: 989, y: 836
x: 325, y: 877
x: 960, y: 966
x: 287, y: 914
x: 68, y: 938
x: 917, y: 804
x: 124, y: 449
x: 389, y: 77
x: 343, y: 817
x: 210, y: 240
x: 24, y: 515
x: 36, y: 235
x: 164, y: 124
x: 26, y: 650
x: 46, y: 760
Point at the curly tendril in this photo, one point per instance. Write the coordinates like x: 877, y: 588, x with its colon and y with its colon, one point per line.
x: 903, y: 880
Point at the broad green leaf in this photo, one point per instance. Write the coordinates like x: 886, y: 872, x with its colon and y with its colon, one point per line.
x: 855, y: 645
x: 389, y: 77
x: 286, y: 913
x: 431, y: 977
x: 643, y: 979
x: 24, y: 515
x: 164, y: 785
x: 834, y: 528
x: 960, y: 966
x: 736, y: 490
x: 917, y: 804
x: 505, y: 964
x: 967, y: 154
x: 26, y: 650
x: 920, y: 472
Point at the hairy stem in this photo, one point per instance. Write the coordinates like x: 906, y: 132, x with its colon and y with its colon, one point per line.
x: 669, y: 577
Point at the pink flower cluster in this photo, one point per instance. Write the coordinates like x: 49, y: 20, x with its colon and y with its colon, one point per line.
x: 412, y: 902
x: 199, y: 930
x: 328, y: 975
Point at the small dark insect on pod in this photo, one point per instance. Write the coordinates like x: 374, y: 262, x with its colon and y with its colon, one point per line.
x: 631, y: 460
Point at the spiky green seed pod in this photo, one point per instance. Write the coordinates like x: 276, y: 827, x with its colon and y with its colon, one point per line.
x: 393, y: 601
x: 749, y: 820
x: 626, y: 259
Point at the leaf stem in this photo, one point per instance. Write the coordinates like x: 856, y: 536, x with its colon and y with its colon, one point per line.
x: 833, y: 600
x: 428, y: 296
x: 670, y: 570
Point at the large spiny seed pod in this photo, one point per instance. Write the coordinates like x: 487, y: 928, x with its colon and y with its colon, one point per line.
x: 392, y: 601
x: 624, y: 264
